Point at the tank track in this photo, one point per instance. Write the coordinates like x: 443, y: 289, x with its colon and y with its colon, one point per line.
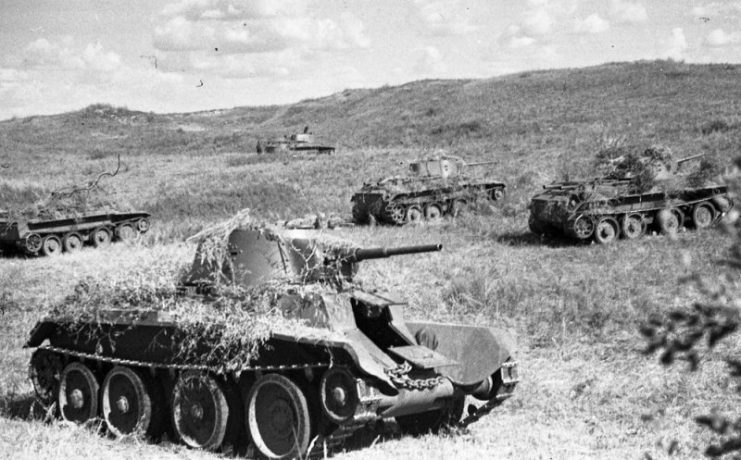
x: 324, y: 444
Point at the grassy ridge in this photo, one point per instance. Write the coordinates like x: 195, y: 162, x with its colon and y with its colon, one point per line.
x: 586, y: 392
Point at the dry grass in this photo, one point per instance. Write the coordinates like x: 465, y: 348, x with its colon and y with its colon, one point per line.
x: 586, y: 390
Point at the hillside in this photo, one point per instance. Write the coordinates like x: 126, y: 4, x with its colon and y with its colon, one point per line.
x: 586, y: 391
x: 536, y: 126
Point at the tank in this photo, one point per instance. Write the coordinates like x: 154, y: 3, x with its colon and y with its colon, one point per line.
x: 433, y: 188
x: 335, y: 357
x: 51, y: 234
x: 304, y: 142
x: 636, y: 194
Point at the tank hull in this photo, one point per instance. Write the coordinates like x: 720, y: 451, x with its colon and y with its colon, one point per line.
x: 428, y: 200
x: 607, y: 210
x: 28, y: 235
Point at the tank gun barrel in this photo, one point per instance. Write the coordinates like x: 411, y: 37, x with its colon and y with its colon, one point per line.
x: 690, y: 158
x: 481, y: 163
x: 379, y: 253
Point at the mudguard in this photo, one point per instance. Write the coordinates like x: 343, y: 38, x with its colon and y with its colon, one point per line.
x: 479, y: 351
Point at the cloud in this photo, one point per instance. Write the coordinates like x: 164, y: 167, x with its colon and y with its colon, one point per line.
x: 592, y: 24
x: 229, y: 10
x: 677, y: 45
x: 429, y: 62
x: 538, y: 21
x: 41, y: 53
x: 717, y: 9
x: 627, y: 12
x: 445, y: 17
x: 719, y: 38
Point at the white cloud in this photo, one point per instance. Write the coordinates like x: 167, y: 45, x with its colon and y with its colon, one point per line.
x: 430, y: 62
x: 714, y: 9
x: 676, y: 45
x: 41, y: 53
x: 445, y: 17
x: 195, y: 10
x: 627, y: 12
x: 538, y: 21
x: 720, y: 38
x: 592, y: 24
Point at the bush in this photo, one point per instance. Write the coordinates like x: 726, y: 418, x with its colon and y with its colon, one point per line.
x: 715, y: 126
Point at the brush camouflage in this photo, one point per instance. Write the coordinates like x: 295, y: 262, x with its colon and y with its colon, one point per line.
x: 433, y: 188
x: 637, y: 194
x: 354, y: 360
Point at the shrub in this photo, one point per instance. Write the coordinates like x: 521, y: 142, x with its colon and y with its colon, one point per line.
x: 714, y: 126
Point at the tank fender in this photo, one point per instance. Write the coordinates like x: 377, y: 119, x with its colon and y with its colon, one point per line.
x: 723, y: 203
x: 479, y: 351
x: 40, y: 332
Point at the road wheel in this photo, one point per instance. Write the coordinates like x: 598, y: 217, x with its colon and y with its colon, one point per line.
x: 33, y: 243
x: 414, y: 215
x: 199, y: 411
x: 668, y: 221
x: 72, y: 242
x: 633, y: 226
x: 44, y: 372
x: 78, y: 393
x: 395, y: 213
x: 125, y: 232
x: 432, y: 421
x: 51, y: 246
x: 278, y: 417
x: 583, y: 227
x: 497, y: 194
x: 101, y: 237
x: 703, y: 215
x: 127, y: 405
x: 433, y: 212
x: 606, y: 231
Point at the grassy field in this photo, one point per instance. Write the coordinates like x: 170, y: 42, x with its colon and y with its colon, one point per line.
x: 586, y: 391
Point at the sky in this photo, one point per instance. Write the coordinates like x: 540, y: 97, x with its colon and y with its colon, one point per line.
x: 191, y: 55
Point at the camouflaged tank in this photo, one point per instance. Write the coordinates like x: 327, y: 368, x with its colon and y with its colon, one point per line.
x: 636, y: 195
x: 331, y: 357
x: 433, y: 188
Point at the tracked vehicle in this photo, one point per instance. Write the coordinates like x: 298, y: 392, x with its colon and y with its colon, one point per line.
x: 49, y: 236
x: 304, y: 142
x: 638, y: 195
x: 433, y: 188
x: 347, y: 358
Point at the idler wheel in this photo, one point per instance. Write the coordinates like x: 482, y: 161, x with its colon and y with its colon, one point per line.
x: 278, y: 417
x: 101, y: 237
x: 669, y: 222
x: 633, y: 226
x: 44, y: 372
x: 414, y: 214
x: 433, y: 212
x: 606, y: 231
x: 78, y: 393
x: 125, y: 232
x: 703, y: 215
x: 433, y: 421
x: 142, y: 225
x: 51, y: 246
x: 199, y: 410
x: 127, y: 405
x: 72, y: 242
